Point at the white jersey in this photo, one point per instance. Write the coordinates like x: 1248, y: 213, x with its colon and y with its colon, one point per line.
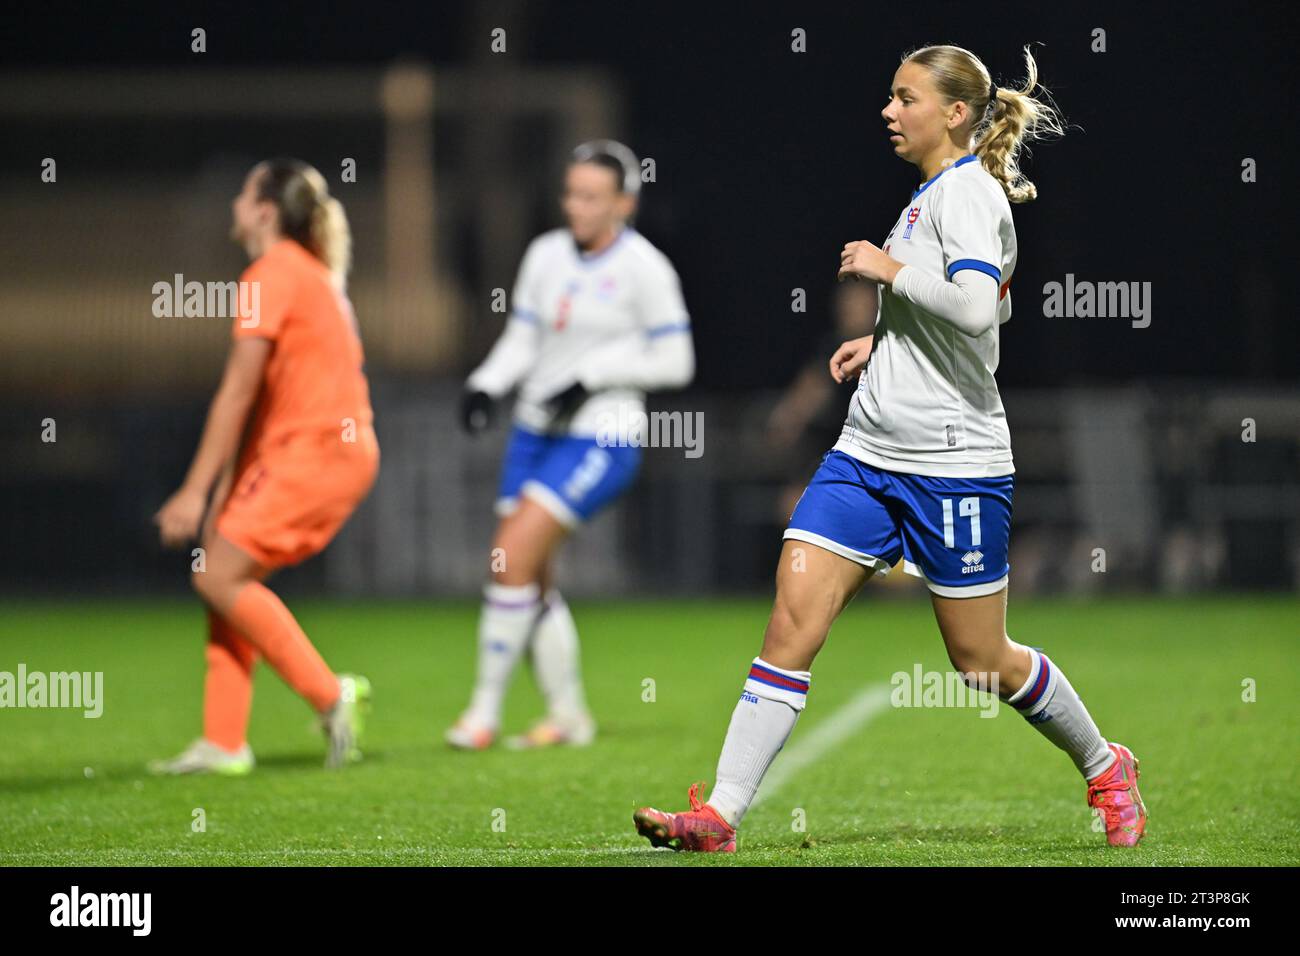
x: 927, y: 402
x: 615, y: 321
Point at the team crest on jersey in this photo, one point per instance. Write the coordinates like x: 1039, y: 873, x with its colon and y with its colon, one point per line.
x: 913, y: 214
x: 606, y: 288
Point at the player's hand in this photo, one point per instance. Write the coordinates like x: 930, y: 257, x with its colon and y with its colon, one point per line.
x: 179, y: 517
x: 862, y: 260
x: 476, y: 411
x: 851, y: 358
x: 568, y: 401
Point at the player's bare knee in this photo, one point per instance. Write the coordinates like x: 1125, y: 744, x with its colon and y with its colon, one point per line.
x: 793, y: 632
x: 1016, y: 664
x: 514, y: 562
x: 978, y: 660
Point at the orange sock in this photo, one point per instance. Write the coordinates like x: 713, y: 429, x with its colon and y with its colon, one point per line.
x: 228, y: 687
x: 262, y: 618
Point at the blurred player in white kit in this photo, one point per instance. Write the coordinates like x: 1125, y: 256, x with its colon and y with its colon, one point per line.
x: 597, y: 320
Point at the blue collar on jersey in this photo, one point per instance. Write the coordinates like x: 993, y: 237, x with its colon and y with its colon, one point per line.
x: 926, y: 185
x: 589, y: 257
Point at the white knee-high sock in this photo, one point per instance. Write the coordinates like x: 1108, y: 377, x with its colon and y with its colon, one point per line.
x: 1050, y: 704
x: 508, y: 615
x: 555, y: 658
x: 760, y: 725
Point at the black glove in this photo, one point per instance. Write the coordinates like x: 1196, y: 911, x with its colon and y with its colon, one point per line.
x: 568, y: 401
x: 476, y: 411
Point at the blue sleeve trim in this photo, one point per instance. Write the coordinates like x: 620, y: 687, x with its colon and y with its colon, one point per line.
x: 978, y: 265
x: 668, y: 329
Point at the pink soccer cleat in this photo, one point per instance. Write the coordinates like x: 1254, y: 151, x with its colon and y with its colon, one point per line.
x: 1115, y: 793
x: 700, y: 829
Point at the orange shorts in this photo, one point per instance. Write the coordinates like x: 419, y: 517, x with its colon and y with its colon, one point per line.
x: 289, y: 500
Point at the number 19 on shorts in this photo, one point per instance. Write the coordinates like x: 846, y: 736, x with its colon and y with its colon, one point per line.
x: 966, y: 508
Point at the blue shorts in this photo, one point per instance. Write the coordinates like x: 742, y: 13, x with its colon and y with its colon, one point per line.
x: 953, y: 532
x: 571, y: 477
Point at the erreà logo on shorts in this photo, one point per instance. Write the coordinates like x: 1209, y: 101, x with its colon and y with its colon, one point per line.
x: 971, y: 560
x: 103, y: 909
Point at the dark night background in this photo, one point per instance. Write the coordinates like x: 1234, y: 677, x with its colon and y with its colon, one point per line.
x: 768, y: 160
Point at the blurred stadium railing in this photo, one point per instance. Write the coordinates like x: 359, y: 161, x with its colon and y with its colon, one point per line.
x: 1159, y: 479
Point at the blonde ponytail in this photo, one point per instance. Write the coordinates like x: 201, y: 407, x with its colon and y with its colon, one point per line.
x: 331, y: 237
x: 1015, y: 119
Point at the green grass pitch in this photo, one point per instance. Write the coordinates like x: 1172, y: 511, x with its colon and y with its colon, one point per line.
x: 910, y: 786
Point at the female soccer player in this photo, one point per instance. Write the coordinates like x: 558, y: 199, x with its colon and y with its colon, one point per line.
x: 923, y: 467
x: 308, y: 460
x: 597, y: 320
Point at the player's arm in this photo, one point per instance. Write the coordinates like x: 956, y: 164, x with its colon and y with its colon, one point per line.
x: 514, y: 352
x: 218, y: 499
x: 968, y: 301
x: 648, y: 365
x: 664, y: 358
x: 224, y: 484
x: 663, y: 355
x: 512, y: 355
x: 178, y: 519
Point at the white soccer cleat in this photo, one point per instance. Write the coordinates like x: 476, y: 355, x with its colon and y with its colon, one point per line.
x: 203, y: 756
x: 346, y: 721
x: 577, y: 731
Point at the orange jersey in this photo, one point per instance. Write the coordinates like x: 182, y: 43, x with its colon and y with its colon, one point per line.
x: 313, y: 381
x: 310, y: 455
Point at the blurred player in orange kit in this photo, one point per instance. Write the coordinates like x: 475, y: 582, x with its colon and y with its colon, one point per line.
x: 309, y: 458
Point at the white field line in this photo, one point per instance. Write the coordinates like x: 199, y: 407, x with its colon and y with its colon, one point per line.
x: 865, y: 706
